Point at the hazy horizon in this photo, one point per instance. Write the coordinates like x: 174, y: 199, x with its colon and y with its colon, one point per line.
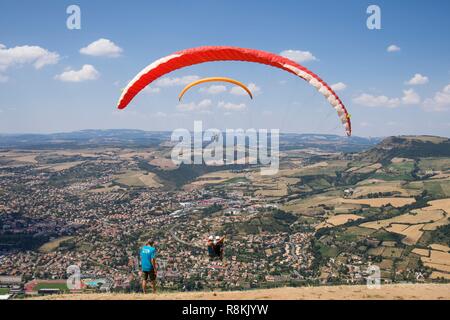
x: 168, y: 131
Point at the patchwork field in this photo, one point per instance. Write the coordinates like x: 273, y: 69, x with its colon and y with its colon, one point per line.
x: 378, y: 202
x: 53, y: 245
x: 138, y: 179
x: 338, y: 220
x: 412, y: 224
x: 130, y: 154
x: 27, y: 158
x: 440, y: 164
x: 365, y: 168
x: 436, y: 257
x: 62, y: 166
x: 372, y: 186
x: 163, y: 163
x: 272, y: 187
x: 218, y: 177
x: 305, y: 205
x: 273, y: 191
x: 437, y: 187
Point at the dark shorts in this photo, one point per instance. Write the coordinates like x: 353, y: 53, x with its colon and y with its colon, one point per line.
x: 219, y: 250
x: 149, y: 275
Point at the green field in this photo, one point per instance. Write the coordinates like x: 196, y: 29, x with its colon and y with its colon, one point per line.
x: 4, y: 291
x: 392, y: 252
x: 436, y: 188
x: 48, y: 285
x: 236, y: 180
x: 383, y: 235
x: 440, y: 164
x: 354, y: 234
x: 397, y: 171
x: 130, y: 179
x: 375, y: 251
x: 439, y: 189
x: 327, y: 251
x: 318, y: 184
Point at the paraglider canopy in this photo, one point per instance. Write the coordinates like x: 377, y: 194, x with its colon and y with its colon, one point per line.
x: 198, y: 55
x: 213, y: 79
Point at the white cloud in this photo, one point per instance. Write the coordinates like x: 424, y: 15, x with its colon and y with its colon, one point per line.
x: 393, y: 48
x: 21, y: 55
x: 369, y: 100
x: 254, y: 88
x: 238, y: 91
x: 87, y: 72
x: 298, y: 56
x: 410, y: 97
x: 417, y: 79
x: 338, y: 86
x: 152, y: 90
x: 231, y: 106
x: 440, y: 101
x: 214, y: 89
x: 172, y: 82
x: 192, y: 106
x: 102, y: 47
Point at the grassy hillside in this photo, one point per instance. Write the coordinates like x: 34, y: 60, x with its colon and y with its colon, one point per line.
x: 408, y: 147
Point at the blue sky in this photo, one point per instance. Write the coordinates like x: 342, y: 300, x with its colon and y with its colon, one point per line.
x: 48, y: 85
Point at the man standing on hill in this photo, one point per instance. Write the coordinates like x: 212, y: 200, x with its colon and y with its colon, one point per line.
x: 148, y: 265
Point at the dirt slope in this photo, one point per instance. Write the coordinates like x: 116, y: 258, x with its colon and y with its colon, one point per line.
x: 396, y: 291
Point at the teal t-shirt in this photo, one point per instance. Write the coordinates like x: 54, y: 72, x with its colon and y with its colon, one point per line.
x: 147, y: 254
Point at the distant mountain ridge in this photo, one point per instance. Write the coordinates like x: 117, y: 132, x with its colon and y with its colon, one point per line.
x: 84, y: 138
x: 408, y: 147
x: 141, y: 138
x: 372, y: 149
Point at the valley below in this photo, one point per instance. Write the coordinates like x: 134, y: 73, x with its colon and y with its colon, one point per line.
x: 337, y: 212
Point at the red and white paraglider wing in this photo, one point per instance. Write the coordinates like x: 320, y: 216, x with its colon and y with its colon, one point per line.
x: 198, y: 55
